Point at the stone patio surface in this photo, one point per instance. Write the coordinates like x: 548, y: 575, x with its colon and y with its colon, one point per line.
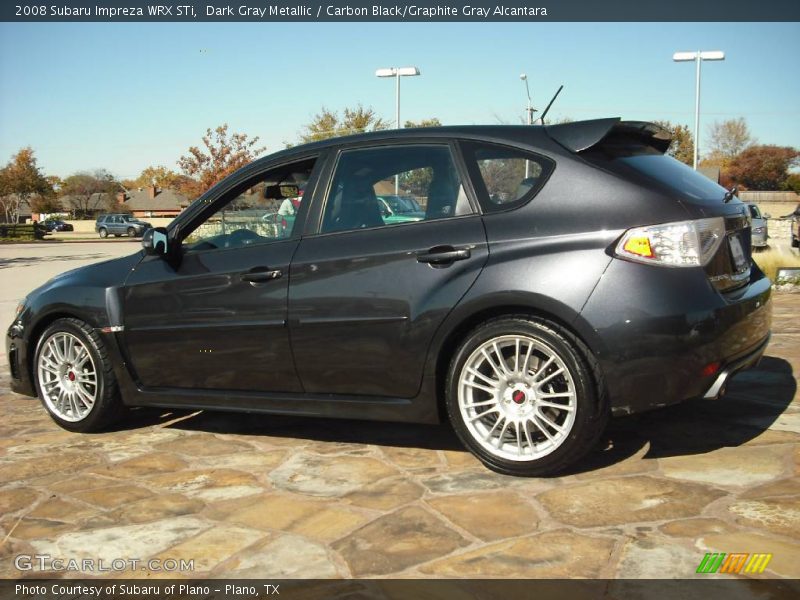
x: 279, y: 497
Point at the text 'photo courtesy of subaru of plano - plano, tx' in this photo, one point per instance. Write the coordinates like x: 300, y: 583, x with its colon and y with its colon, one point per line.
x: 120, y: 224
x: 558, y: 275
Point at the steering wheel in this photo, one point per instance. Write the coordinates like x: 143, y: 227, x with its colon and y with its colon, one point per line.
x: 242, y: 237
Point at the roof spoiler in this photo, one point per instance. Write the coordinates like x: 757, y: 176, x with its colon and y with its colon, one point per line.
x: 582, y: 135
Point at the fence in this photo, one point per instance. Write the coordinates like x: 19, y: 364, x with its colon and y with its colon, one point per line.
x: 10, y: 231
x: 759, y: 197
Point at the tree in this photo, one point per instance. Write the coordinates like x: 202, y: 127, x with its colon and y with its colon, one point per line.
x: 763, y: 167
x: 727, y: 139
x: 682, y: 146
x: 89, y: 192
x: 159, y: 176
x: 223, y: 154
x: 792, y: 183
x: 432, y: 122
x: 327, y: 123
x: 20, y: 180
x: 47, y: 204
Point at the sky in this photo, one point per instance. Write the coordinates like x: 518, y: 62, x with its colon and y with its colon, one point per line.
x: 123, y: 96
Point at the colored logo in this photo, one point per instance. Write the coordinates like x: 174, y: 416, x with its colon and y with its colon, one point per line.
x: 734, y: 563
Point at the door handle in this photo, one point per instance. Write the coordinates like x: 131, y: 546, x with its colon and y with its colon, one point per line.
x: 261, y: 275
x: 443, y: 255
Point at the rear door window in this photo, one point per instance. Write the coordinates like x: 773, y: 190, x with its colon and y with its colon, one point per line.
x: 394, y: 185
x: 505, y: 177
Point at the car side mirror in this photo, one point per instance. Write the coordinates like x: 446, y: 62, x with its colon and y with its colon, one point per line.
x: 155, y: 241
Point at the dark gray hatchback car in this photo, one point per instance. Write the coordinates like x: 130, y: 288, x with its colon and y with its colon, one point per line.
x: 558, y: 275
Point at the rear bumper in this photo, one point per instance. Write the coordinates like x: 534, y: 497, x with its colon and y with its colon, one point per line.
x: 751, y: 359
x: 666, y: 335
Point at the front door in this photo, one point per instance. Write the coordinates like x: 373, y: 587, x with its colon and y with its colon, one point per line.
x: 368, y: 292
x: 218, y: 321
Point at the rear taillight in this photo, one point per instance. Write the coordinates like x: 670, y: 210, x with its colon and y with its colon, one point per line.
x: 679, y: 244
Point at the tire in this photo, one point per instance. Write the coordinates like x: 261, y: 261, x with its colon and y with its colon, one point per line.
x: 502, y: 402
x: 795, y: 242
x: 103, y: 232
x: 131, y: 232
x: 74, y: 402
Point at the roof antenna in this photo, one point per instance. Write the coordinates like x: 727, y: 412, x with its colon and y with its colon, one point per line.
x: 553, y: 99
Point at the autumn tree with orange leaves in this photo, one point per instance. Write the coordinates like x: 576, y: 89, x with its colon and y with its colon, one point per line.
x: 222, y: 154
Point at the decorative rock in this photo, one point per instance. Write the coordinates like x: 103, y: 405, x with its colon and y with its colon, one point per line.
x: 491, y: 516
x: 213, y: 546
x: 282, y: 557
x: 313, y: 518
x: 555, y: 554
x: 396, y: 542
x: 139, y: 541
x: 728, y: 466
x: 385, y: 494
x: 328, y: 476
x: 112, y: 497
x: 694, y: 528
x: 779, y: 515
x: 204, y: 444
x: 626, y: 500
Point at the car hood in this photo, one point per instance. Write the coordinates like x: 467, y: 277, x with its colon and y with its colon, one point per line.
x: 108, y: 273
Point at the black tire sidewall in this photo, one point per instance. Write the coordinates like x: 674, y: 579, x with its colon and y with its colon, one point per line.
x: 131, y: 232
x: 99, y: 412
x: 103, y: 232
x: 582, y: 433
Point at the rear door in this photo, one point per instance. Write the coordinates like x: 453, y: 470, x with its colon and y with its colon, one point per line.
x: 366, y: 294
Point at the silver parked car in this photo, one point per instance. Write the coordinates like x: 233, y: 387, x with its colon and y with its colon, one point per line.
x: 758, y: 230
x: 120, y: 224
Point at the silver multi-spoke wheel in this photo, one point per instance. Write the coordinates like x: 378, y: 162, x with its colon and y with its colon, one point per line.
x: 517, y: 397
x: 67, y: 377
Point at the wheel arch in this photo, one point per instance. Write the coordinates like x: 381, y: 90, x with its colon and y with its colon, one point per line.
x: 460, y: 325
x: 44, y: 321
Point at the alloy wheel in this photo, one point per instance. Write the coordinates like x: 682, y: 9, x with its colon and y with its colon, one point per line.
x: 517, y: 397
x: 67, y: 377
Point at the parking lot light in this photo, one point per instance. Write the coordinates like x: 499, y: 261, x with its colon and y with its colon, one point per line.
x: 397, y: 73
x: 698, y: 57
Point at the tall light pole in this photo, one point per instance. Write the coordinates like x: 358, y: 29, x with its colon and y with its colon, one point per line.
x: 530, y: 110
x: 698, y: 57
x: 397, y: 73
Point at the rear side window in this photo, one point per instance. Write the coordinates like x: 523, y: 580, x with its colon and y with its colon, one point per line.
x: 506, y: 177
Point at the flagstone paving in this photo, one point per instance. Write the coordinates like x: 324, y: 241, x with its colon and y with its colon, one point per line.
x: 268, y: 496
